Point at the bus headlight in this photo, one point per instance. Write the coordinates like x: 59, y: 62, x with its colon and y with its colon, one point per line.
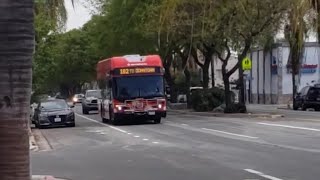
x: 119, y: 108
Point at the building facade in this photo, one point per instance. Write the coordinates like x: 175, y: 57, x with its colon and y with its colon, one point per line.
x: 270, y: 80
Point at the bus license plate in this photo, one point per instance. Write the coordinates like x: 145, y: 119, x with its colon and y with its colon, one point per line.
x: 152, y: 113
x: 57, y: 120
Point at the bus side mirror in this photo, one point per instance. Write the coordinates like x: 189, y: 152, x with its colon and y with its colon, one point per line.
x: 167, y: 90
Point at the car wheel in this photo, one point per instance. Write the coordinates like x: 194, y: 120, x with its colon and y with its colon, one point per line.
x: 157, y: 120
x: 104, y: 120
x: 85, y: 111
x: 304, y: 108
x: 38, y: 125
x: 114, y: 119
x: 102, y: 113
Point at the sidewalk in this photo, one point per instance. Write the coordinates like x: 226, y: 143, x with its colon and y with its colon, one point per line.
x: 45, y: 178
x: 235, y: 115
x: 254, y: 107
x: 34, y: 147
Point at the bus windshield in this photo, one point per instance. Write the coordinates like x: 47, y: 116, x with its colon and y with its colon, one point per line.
x: 131, y: 87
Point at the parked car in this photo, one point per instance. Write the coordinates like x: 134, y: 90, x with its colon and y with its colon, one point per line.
x: 308, y: 97
x: 54, y: 113
x: 91, y: 101
x: 77, y: 98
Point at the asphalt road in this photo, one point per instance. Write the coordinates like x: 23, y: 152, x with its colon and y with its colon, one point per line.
x: 183, y: 147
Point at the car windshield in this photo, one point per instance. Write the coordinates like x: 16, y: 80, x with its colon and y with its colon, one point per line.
x: 138, y: 87
x: 95, y: 94
x: 52, y: 105
x: 79, y: 95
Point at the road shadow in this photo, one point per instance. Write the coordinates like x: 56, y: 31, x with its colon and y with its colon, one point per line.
x: 133, y: 122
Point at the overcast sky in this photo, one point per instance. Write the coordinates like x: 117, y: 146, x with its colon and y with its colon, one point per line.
x: 76, y: 16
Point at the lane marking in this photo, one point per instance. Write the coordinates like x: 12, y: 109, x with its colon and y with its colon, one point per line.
x: 262, y: 174
x: 184, y: 124
x: 233, y: 134
x: 129, y: 133
x: 292, y: 127
x: 146, y: 139
x: 300, y: 119
x: 92, y: 120
x: 136, y: 136
x: 155, y: 142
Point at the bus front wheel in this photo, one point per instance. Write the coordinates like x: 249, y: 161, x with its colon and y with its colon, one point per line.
x: 114, y: 119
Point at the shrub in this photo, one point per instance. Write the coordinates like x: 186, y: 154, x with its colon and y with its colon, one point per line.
x: 207, y: 99
x: 236, y: 108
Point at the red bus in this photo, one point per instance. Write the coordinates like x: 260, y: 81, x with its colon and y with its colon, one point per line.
x: 132, y: 87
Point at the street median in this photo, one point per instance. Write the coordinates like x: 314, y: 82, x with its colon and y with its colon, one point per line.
x: 228, y: 115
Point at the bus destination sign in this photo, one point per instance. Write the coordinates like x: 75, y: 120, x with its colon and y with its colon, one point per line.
x: 137, y: 70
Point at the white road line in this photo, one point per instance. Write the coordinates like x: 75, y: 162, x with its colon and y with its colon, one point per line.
x: 155, y: 142
x: 292, y: 127
x: 299, y: 119
x: 146, y: 139
x: 262, y: 174
x: 115, y: 128
x: 223, y: 132
x: 184, y: 124
x: 136, y: 136
x: 129, y: 133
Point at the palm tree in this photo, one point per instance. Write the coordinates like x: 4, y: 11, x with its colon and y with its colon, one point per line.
x: 316, y: 7
x: 300, y: 20
x: 16, y: 50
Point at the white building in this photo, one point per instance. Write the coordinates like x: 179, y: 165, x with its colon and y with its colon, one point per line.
x: 217, y: 69
x: 270, y: 80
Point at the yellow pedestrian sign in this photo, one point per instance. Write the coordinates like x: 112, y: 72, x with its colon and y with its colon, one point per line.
x: 246, y: 64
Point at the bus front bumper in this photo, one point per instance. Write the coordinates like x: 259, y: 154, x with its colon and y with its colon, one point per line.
x: 149, y: 115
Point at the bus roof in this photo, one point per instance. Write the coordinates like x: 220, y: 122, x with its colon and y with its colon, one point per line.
x: 108, y: 65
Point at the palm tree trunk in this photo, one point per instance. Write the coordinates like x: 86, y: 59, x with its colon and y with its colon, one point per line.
x: 16, y: 48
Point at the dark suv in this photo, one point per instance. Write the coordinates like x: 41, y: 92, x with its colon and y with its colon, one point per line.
x: 308, y: 97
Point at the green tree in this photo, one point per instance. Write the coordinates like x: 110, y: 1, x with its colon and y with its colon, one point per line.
x: 64, y: 62
x: 241, y: 26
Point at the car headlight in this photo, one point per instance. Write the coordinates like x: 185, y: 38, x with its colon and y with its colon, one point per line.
x: 88, y: 101
x: 75, y: 99
x: 71, y: 115
x: 43, y: 117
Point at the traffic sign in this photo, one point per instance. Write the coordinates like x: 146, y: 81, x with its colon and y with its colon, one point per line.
x: 246, y: 64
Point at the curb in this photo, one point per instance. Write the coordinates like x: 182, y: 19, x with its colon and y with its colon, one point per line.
x: 40, y: 177
x: 32, y: 143
x: 285, y: 108
x: 237, y: 115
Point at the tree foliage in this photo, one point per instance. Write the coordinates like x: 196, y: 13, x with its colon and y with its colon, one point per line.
x: 180, y: 31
